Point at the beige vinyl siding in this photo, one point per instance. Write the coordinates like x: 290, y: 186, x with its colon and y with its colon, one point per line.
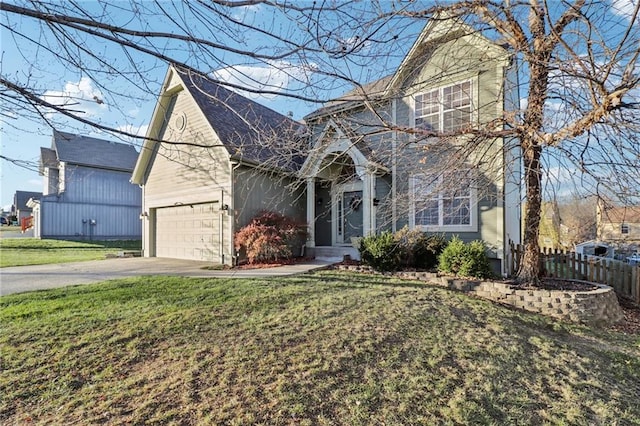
x: 181, y: 176
x: 184, y: 173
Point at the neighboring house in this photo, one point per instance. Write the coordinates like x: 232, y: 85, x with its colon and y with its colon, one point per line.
x: 87, y: 193
x: 346, y: 172
x: 550, y: 226
x: 20, y: 209
x: 618, y: 225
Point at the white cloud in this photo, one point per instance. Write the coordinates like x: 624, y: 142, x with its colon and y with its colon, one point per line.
x: 524, y: 103
x: 136, y: 130
x: 35, y: 183
x: 624, y: 7
x: 78, y: 96
x: 276, y: 76
x: 243, y: 12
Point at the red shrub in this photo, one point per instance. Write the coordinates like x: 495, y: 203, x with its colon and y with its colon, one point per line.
x: 269, y: 237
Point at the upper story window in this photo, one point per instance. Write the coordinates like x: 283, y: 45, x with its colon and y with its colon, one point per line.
x: 446, y: 202
x: 445, y: 109
x: 624, y: 228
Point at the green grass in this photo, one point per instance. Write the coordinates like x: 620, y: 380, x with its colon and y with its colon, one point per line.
x: 32, y: 251
x: 325, y: 349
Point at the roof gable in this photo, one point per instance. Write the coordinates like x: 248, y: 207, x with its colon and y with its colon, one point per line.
x: 249, y: 131
x: 439, y: 30
x: 21, y: 197
x: 48, y: 159
x: 92, y: 152
x: 626, y: 214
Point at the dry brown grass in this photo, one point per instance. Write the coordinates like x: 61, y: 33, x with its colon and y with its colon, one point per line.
x: 328, y: 348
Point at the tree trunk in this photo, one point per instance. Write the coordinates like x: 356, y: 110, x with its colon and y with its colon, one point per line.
x: 529, y: 269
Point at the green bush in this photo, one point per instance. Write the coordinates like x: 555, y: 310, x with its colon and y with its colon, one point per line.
x: 404, y: 249
x: 426, y: 250
x: 467, y: 260
x: 419, y: 250
x: 381, y: 252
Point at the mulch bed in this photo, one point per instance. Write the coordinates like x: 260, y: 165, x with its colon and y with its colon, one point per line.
x: 282, y: 262
x: 557, y: 284
x: 631, y: 322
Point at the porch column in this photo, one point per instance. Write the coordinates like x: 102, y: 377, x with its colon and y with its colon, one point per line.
x: 311, y: 212
x: 367, y: 197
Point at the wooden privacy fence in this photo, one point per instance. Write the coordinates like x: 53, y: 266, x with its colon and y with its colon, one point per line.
x: 623, y: 277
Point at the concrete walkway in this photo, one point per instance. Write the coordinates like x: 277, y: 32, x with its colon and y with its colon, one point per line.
x: 19, y: 279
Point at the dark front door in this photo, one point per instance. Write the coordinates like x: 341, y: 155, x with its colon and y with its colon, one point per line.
x: 351, y: 215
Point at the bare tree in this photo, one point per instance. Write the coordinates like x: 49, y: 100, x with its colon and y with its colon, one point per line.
x: 576, y: 61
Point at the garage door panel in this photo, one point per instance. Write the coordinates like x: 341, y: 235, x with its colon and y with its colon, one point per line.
x: 188, y: 232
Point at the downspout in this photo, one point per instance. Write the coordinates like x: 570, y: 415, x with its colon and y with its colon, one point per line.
x: 394, y: 159
x: 221, y: 227
x: 231, y: 212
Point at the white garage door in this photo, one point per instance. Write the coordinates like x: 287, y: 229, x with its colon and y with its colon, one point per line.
x: 188, y: 232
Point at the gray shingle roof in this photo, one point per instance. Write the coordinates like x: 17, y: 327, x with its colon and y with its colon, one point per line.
x: 47, y: 159
x: 354, y: 98
x: 21, y: 197
x: 88, y: 151
x: 250, y: 131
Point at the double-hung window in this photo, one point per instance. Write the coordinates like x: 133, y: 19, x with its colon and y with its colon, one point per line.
x: 445, y: 203
x: 445, y: 109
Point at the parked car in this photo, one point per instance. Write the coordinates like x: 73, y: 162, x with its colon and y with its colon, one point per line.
x: 4, y: 221
x: 634, y: 259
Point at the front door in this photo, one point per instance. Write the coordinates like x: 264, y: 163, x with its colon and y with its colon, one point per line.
x: 348, y: 213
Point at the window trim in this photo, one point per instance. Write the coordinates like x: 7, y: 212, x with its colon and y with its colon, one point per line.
x: 440, y: 89
x: 473, y: 208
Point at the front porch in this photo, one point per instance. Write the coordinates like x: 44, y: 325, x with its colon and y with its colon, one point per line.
x: 341, y: 195
x: 333, y: 254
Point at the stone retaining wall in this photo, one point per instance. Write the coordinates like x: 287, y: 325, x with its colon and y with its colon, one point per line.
x: 596, y: 307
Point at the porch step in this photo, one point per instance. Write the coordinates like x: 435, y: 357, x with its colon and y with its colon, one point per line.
x: 335, y: 254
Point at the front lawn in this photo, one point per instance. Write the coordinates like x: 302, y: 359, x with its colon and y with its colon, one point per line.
x: 328, y: 348
x: 33, y: 251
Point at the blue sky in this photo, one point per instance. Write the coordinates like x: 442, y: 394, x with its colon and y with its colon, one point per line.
x: 127, y: 106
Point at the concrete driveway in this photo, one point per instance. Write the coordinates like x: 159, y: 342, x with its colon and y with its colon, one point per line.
x: 19, y: 279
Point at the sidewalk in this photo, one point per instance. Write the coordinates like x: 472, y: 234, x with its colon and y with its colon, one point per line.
x: 19, y: 279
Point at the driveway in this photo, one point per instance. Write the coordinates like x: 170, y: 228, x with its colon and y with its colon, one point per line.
x: 15, y: 233
x: 19, y: 279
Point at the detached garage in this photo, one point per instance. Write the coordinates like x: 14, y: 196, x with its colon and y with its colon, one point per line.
x: 188, y: 232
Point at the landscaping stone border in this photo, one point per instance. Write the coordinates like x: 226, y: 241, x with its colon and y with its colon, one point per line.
x: 598, y: 307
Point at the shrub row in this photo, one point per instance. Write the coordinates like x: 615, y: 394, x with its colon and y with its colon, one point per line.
x: 415, y: 249
x: 404, y: 249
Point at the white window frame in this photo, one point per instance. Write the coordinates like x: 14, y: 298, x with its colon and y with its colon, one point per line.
x: 439, y: 108
x: 441, y: 227
x: 624, y: 228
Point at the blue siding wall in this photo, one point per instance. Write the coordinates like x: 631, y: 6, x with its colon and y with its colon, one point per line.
x: 74, y: 220
x: 96, y: 204
x: 91, y: 185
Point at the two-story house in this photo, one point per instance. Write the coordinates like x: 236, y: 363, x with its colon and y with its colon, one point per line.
x: 397, y: 152
x: 87, y: 193
x: 20, y: 209
x: 619, y: 225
